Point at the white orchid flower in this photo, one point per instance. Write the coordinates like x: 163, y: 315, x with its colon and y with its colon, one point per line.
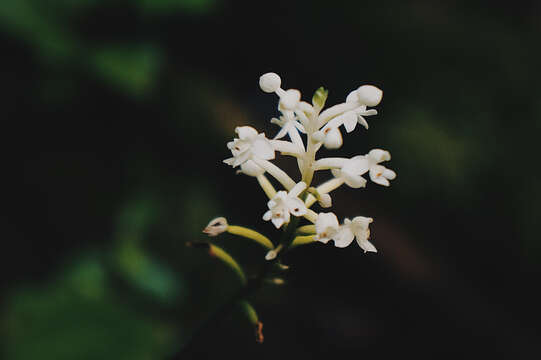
x: 347, y: 171
x: 358, y: 229
x: 283, y: 204
x: 248, y: 147
x: 326, y: 227
x: 378, y: 173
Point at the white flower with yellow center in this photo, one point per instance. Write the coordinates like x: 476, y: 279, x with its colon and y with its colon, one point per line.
x: 283, y: 205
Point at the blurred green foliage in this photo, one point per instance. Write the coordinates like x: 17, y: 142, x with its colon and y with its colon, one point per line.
x: 121, y: 112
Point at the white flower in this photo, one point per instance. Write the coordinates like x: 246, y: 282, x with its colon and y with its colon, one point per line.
x: 348, y: 171
x: 356, y: 228
x: 283, y: 204
x: 378, y: 173
x: 329, y: 135
x: 249, y: 146
x: 326, y: 227
x: 351, y: 172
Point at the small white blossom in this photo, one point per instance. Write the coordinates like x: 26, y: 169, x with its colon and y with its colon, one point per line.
x: 330, y: 136
x: 248, y: 147
x: 351, y: 172
x: 326, y: 227
x: 283, y: 204
x: 358, y: 229
x: 378, y: 173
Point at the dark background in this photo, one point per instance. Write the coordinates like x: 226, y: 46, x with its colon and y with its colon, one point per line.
x: 115, y: 118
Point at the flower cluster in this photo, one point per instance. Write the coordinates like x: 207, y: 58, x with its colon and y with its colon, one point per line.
x: 308, y: 127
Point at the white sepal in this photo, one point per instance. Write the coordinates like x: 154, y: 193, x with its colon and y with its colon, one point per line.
x: 326, y: 227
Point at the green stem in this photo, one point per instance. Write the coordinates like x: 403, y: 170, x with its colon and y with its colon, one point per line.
x: 252, y: 285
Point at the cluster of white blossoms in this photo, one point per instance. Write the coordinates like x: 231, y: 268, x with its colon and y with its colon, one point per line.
x: 252, y: 153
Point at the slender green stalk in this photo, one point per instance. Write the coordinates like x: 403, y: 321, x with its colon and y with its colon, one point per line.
x: 249, y: 288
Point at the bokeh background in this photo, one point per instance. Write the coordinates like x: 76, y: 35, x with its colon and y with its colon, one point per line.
x: 115, y: 117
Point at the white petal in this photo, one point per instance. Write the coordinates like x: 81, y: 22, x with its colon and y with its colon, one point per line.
x: 290, y: 99
x: 378, y: 155
x: 330, y: 163
x: 250, y: 168
x: 325, y: 220
x: 389, y: 174
x: 267, y: 216
x: 270, y: 82
x: 357, y: 165
x: 369, y: 95
x: 306, y: 107
x: 245, y: 132
x: 363, y: 122
x: 376, y: 175
x: 241, y: 158
x: 296, y: 206
x: 354, y: 181
x: 333, y: 139
x: 368, y: 112
x: 366, y: 245
x: 229, y: 161
x: 277, y: 221
x: 343, y: 238
x: 299, y: 127
x: 262, y: 148
x: 281, y: 133
x: 350, y: 121
x: 361, y: 222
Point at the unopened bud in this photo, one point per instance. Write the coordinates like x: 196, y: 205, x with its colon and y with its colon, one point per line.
x: 271, y: 255
x: 216, y: 226
x: 270, y: 82
x: 369, y: 95
x: 290, y: 99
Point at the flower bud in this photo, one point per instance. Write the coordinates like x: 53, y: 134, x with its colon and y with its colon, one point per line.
x: 379, y: 155
x: 369, y: 95
x: 271, y: 255
x: 216, y: 226
x: 270, y: 82
x: 290, y: 99
x: 333, y: 139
